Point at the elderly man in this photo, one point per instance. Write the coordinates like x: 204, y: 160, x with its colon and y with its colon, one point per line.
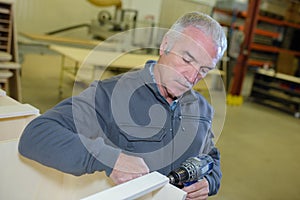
x: 145, y: 120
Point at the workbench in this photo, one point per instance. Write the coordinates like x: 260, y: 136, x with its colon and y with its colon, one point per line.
x: 26, y: 179
x: 14, y: 116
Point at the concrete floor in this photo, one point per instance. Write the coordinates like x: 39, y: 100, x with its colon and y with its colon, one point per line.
x: 259, y: 146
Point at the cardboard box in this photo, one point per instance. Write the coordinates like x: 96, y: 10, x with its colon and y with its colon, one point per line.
x: 274, y: 8
x: 286, y: 63
x: 293, y: 12
x: 241, y: 5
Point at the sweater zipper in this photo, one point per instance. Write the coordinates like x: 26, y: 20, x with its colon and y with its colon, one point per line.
x: 197, y: 118
x: 172, y: 133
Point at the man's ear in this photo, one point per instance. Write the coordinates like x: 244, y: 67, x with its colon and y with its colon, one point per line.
x: 163, y: 46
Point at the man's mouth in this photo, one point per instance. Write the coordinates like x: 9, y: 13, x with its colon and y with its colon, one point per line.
x: 185, y: 83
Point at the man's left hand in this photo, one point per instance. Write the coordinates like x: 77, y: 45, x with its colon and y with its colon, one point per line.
x: 198, y: 190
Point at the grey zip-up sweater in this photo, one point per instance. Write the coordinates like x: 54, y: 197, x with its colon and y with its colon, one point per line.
x: 86, y: 133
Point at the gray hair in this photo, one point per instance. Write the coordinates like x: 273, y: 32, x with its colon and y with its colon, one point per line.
x: 206, y: 24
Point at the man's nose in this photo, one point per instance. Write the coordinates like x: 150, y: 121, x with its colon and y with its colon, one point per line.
x: 193, y: 75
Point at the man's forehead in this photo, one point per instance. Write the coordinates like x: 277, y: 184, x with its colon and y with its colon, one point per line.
x: 200, y: 39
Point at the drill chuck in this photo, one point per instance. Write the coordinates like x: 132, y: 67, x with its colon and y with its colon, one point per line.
x: 192, y: 170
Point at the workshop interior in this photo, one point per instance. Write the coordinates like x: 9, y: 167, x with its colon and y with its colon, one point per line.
x: 51, y: 50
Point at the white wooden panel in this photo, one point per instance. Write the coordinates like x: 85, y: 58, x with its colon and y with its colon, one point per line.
x: 17, y: 110
x: 14, y: 116
x: 139, y: 187
x: 23, y: 179
x: 77, y: 187
x: 169, y: 192
x: 12, y: 128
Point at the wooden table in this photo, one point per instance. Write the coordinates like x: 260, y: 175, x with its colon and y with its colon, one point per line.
x: 98, y: 60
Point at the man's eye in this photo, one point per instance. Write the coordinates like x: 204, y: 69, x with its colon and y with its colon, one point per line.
x: 204, y: 70
x: 186, y: 60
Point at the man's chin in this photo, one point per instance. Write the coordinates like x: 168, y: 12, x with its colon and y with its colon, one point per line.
x: 178, y: 95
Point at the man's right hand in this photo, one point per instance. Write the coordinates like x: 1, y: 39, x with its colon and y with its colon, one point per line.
x: 127, y: 168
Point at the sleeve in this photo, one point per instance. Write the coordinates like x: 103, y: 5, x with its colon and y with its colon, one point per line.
x: 68, y: 139
x: 214, y: 178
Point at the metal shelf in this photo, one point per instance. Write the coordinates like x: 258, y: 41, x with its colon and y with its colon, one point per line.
x: 277, y: 89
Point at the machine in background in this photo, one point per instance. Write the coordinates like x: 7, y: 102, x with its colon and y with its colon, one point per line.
x: 108, y: 24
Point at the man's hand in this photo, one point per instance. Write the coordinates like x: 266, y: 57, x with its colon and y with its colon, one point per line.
x: 198, y: 190
x: 127, y: 168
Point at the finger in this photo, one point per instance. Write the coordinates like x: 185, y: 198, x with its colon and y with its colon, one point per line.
x: 192, y: 188
x: 203, y: 193
x: 119, y: 177
x: 198, y: 190
x: 200, y: 198
x: 197, y: 195
x: 197, y: 186
x: 136, y: 175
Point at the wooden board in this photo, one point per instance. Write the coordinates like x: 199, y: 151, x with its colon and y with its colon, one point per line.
x: 139, y: 187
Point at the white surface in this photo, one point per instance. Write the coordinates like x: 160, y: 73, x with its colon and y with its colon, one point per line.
x: 169, y: 192
x: 139, y: 187
x: 279, y: 75
x: 24, y: 179
x: 37, y: 16
x: 14, y: 116
x: 132, y: 189
x: 17, y: 110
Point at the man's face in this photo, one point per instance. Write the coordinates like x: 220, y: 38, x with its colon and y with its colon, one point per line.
x: 190, y: 59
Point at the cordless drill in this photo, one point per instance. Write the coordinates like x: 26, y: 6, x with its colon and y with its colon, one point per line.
x: 192, y: 170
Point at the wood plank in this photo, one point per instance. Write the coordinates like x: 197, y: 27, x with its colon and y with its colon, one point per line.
x: 17, y: 110
x: 169, y: 192
x: 133, y: 189
x: 50, y: 38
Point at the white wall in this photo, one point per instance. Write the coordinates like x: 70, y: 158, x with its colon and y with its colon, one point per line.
x: 173, y: 9
x: 41, y: 16
x: 145, y: 7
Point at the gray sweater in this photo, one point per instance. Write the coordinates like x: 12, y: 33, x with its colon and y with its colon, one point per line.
x: 86, y: 133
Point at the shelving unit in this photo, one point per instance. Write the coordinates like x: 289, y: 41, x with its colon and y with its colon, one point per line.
x: 265, y: 46
x: 5, y: 27
x: 273, y: 36
x: 277, y: 90
x: 264, y: 37
x: 8, y: 44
